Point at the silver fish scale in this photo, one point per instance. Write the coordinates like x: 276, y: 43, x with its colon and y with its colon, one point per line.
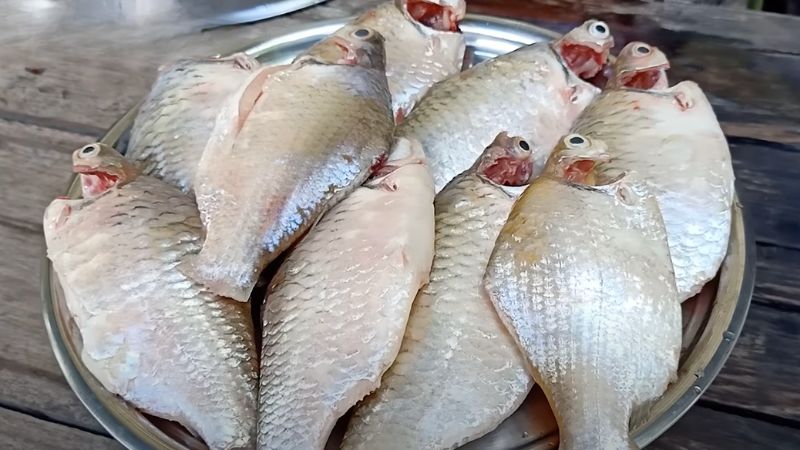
x: 416, y: 56
x: 176, y: 118
x: 585, y: 284
x: 526, y: 93
x: 310, y: 140
x: 337, y: 310
x: 459, y: 373
x: 150, y: 335
x: 684, y: 157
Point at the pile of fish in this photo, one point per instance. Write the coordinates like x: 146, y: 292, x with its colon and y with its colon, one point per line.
x: 432, y: 242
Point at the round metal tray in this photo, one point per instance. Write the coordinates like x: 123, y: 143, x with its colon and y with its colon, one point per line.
x: 712, y: 320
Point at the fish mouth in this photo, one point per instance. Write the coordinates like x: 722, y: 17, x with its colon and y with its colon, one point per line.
x: 509, y: 171
x: 350, y: 55
x: 654, y: 77
x: 435, y: 16
x: 585, y: 60
x: 95, y: 182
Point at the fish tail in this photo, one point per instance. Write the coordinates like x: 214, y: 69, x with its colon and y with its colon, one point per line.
x: 219, y: 277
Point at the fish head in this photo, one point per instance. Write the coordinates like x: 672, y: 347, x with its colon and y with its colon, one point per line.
x: 507, y: 161
x: 585, y: 49
x: 640, y: 66
x: 575, y: 158
x: 101, y: 168
x: 350, y: 45
x: 438, y: 15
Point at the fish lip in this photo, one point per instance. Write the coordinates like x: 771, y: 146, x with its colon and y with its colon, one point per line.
x: 455, y: 13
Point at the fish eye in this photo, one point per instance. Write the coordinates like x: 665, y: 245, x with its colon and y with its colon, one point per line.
x: 90, y: 150
x: 362, y: 33
x: 599, y: 29
x: 576, y: 141
x: 523, y: 144
x: 642, y: 49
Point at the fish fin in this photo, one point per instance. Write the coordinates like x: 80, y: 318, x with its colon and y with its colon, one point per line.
x: 217, y: 281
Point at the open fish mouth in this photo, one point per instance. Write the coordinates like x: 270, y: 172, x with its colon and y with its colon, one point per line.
x: 433, y: 15
x: 95, y: 182
x: 648, y: 78
x: 584, y: 60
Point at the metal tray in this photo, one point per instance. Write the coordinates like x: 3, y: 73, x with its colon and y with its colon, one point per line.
x: 712, y: 320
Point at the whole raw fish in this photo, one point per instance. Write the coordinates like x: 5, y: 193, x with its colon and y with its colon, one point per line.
x: 459, y: 373
x: 671, y: 138
x: 291, y: 144
x: 176, y: 119
x: 423, y: 45
x: 535, y: 91
x: 581, y: 276
x: 336, y: 312
x: 150, y: 335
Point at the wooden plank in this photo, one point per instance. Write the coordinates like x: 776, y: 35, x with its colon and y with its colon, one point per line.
x: 777, y: 283
x: 30, y: 379
x: 22, y: 432
x: 762, y: 372
x: 36, y: 168
x: 705, y: 429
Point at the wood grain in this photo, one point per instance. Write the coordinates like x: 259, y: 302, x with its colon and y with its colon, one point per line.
x: 706, y: 429
x: 22, y: 432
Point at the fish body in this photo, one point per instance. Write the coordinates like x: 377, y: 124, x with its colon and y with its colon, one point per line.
x: 529, y: 92
x: 672, y: 140
x: 177, y: 117
x: 150, y: 335
x: 294, y: 141
x: 581, y: 276
x: 336, y: 311
x: 417, y: 55
x: 459, y: 373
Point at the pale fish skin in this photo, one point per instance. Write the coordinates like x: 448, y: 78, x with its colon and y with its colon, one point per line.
x: 459, y: 373
x: 150, y: 335
x: 336, y: 311
x: 417, y: 56
x: 581, y: 276
x: 529, y: 92
x: 671, y: 138
x: 177, y: 117
x: 288, y: 147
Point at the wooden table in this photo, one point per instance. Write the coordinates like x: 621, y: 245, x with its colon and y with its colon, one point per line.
x: 62, y: 87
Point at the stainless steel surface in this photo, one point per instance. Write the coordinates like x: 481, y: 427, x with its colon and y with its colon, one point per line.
x: 712, y: 321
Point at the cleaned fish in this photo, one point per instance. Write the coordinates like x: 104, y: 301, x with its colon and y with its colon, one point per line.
x: 671, y: 138
x: 581, y: 276
x: 150, y: 335
x: 291, y: 144
x: 336, y: 311
x: 176, y: 119
x: 535, y: 91
x: 423, y: 45
x: 459, y: 373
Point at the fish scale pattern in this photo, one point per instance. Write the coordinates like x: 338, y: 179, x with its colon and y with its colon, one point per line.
x: 582, y: 278
x: 310, y: 139
x: 336, y: 312
x: 527, y: 93
x: 683, y: 155
x: 151, y: 335
x: 176, y: 119
x: 459, y: 373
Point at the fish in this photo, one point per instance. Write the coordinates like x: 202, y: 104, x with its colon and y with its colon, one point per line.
x: 336, y: 312
x: 536, y: 91
x: 162, y: 342
x: 581, y: 276
x: 423, y: 45
x: 176, y: 119
x: 671, y: 138
x: 293, y: 142
x: 459, y: 373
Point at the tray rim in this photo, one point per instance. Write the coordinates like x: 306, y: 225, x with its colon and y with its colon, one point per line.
x: 646, y: 435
